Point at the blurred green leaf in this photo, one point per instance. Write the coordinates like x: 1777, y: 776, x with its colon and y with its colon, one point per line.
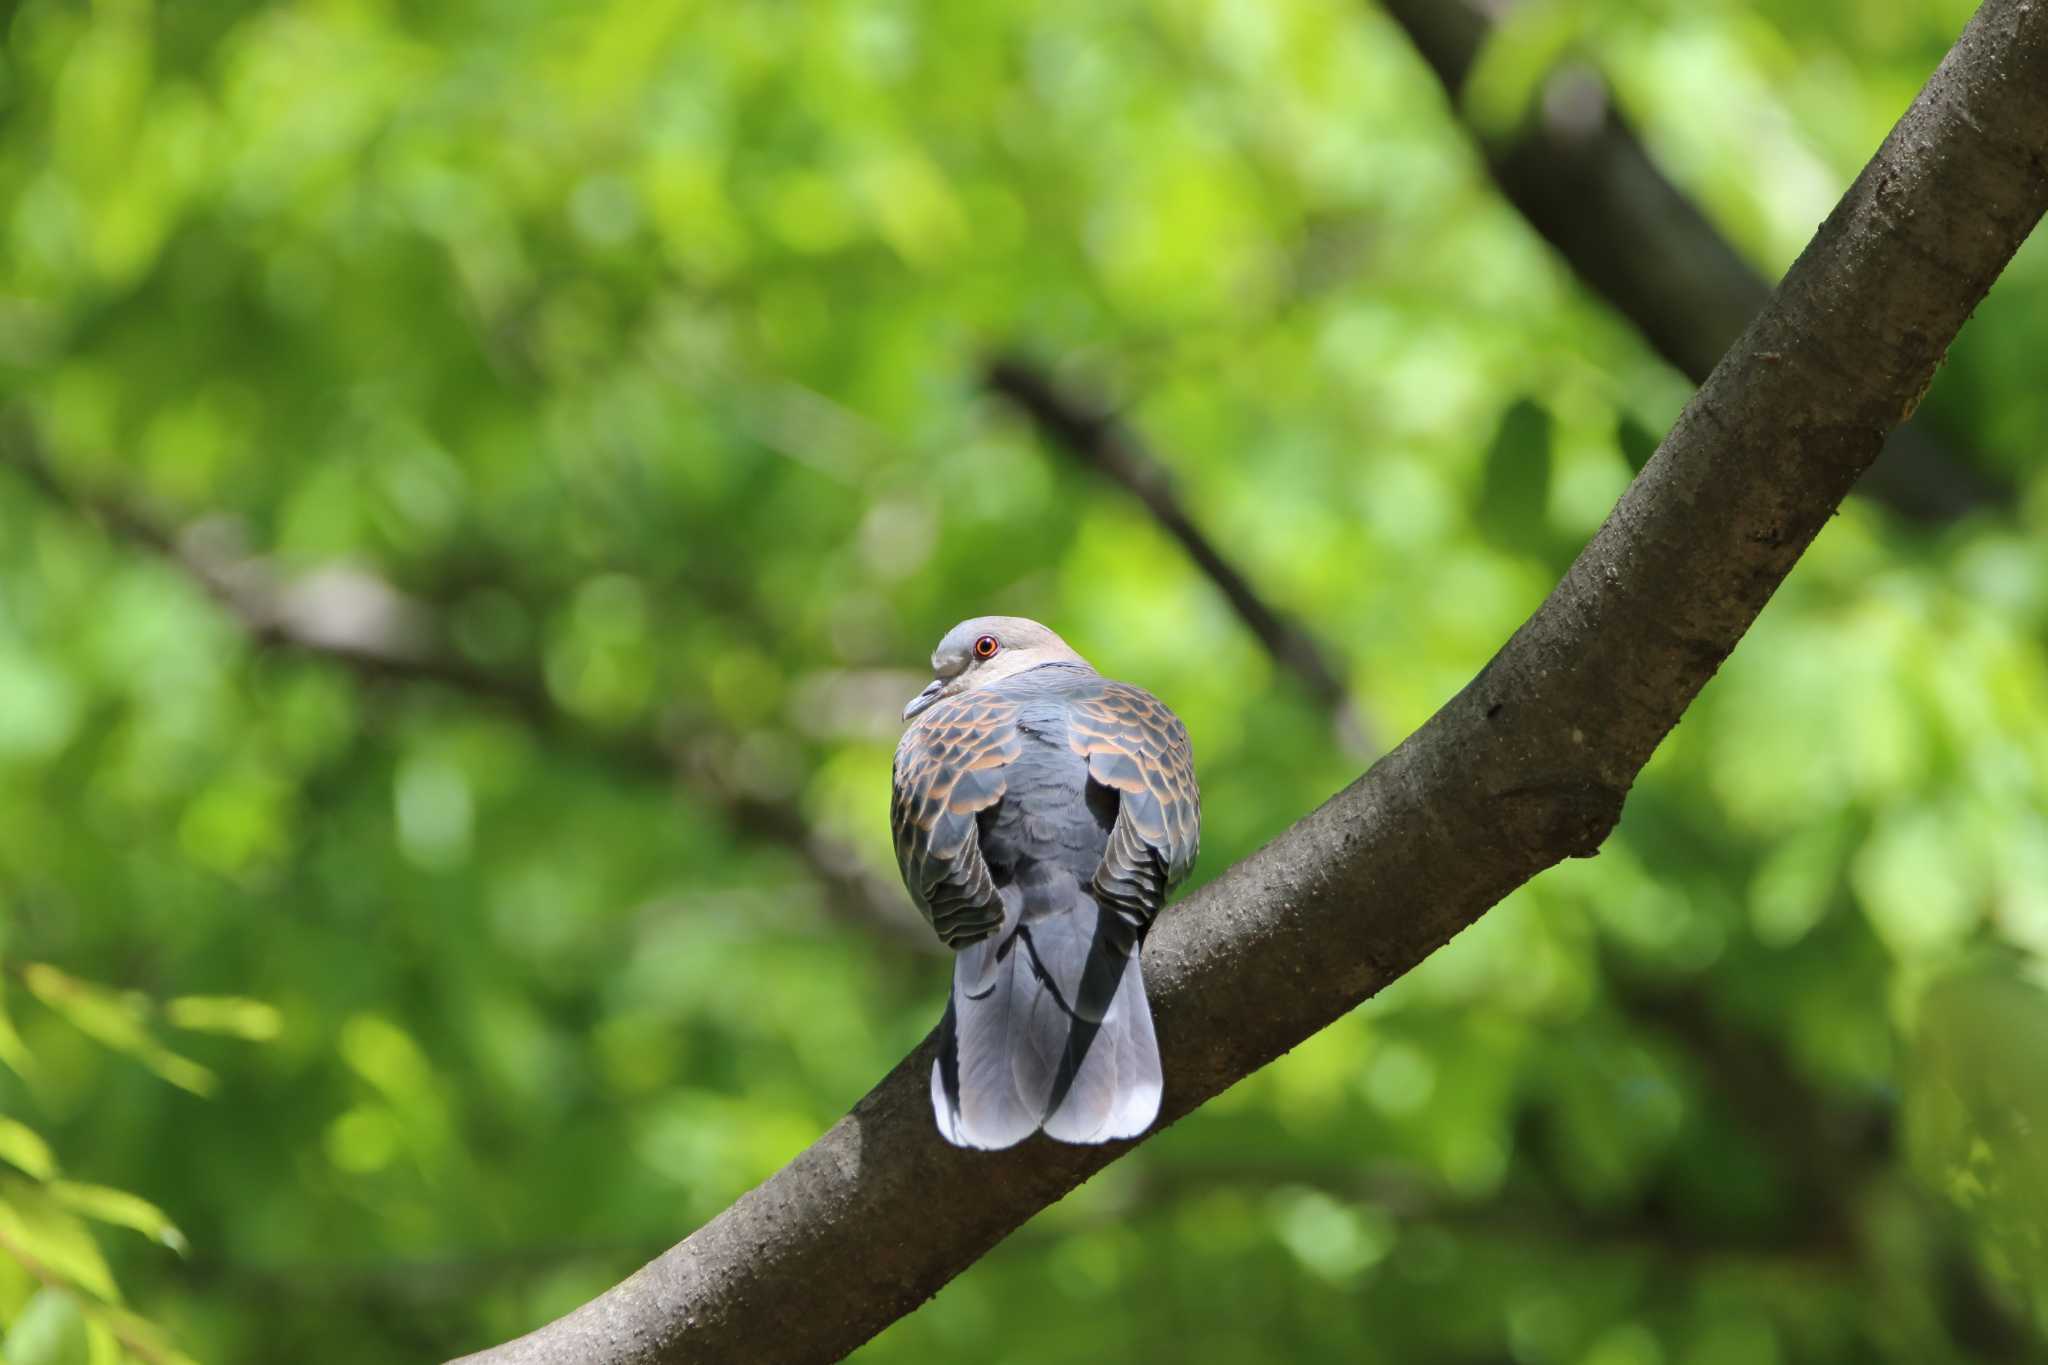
x: 49, y: 1331
x: 24, y: 1148
x: 103, y: 1343
x: 1514, y: 490
x: 50, y: 1240
x: 14, y: 1053
x: 1977, y: 1116
x: 115, y: 1019
x: 120, y: 1335
x: 1638, y: 442
x: 41, y: 710
x: 1795, y: 885
x: 234, y: 1015
x: 119, y: 1208
x: 1521, y: 52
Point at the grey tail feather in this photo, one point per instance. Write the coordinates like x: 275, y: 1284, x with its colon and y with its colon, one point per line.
x: 1048, y: 1027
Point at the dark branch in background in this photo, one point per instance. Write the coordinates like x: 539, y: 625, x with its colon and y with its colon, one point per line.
x: 1826, y: 1153
x: 1529, y: 764
x: 348, y: 616
x: 1110, y: 447
x: 1584, y: 180
x: 341, y: 614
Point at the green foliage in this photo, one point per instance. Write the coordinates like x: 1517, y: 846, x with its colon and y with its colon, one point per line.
x: 62, y: 1300
x: 114, y: 1019
x: 611, y: 370
x: 49, y: 1330
x: 1513, y: 509
x: 1976, y: 1107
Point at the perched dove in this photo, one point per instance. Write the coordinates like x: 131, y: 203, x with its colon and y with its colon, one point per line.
x: 1042, y: 814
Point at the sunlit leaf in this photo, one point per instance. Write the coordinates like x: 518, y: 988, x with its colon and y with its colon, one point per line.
x: 24, y: 1148
x: 41, y: 710
x: 103, y: 1345
x: 14, y: 1053
x: 126, y: 1210
x: 116, y: 1019
x: 235, y: 1015
x: 50, y: 1330
x: 1521, y: 52
x: 113, y: 1018
x: 137, y: 1335
x: 50, y: 1240
x: 1795, y: 884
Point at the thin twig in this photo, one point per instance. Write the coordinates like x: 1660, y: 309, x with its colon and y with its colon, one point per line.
x: 1112, y: 448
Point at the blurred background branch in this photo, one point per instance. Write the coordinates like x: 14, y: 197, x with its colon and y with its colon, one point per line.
x: 350, y: 617
x: 1108, y: 446
x: 1586, y: 182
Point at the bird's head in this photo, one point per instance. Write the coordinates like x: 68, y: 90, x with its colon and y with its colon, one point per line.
x: 985, y: 650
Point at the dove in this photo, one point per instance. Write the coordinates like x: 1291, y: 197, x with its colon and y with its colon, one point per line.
x: 1042, y: 814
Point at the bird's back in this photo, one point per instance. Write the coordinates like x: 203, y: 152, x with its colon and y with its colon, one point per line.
x: 1050, y: 815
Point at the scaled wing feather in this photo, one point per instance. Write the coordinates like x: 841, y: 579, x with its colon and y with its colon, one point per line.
x: 1139, y: 749
x: 950, y: 767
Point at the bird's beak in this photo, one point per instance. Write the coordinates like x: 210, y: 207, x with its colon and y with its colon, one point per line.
x: 925, y: 698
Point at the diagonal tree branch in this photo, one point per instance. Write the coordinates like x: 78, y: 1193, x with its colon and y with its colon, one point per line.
x: 1527, y: 765
x: 1829, y: 1153
x: 1110, y: 447
x: 1779, y: 1108
x: 1578, y: 172
x: 1747, y: 1074
x: 350, y: 617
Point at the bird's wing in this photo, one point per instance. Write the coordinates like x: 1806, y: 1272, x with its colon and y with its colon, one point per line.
x: 1139, y: 749
x: 951, y: 765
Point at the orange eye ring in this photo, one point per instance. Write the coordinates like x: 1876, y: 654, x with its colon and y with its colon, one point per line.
x: 986, y: 647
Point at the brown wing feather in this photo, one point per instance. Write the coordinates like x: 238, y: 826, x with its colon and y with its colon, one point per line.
x: 1139, y: 749
x: 950, y: 766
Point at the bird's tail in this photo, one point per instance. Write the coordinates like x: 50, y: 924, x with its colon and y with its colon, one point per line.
x: 1048, y: 1026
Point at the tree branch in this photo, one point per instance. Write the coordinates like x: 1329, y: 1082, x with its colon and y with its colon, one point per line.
x: 1110, y: 447
x: 1527, y: 765
x: 1578, y: 172
x: 1829, y: 1153
x: 349, y: 616
x: 1748, y: 1076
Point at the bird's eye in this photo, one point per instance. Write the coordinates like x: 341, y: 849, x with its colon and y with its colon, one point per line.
x: 986, y: 647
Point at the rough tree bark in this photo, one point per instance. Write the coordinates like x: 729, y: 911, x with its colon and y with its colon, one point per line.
x: 1577, y: 171
x: 1526, y: 766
